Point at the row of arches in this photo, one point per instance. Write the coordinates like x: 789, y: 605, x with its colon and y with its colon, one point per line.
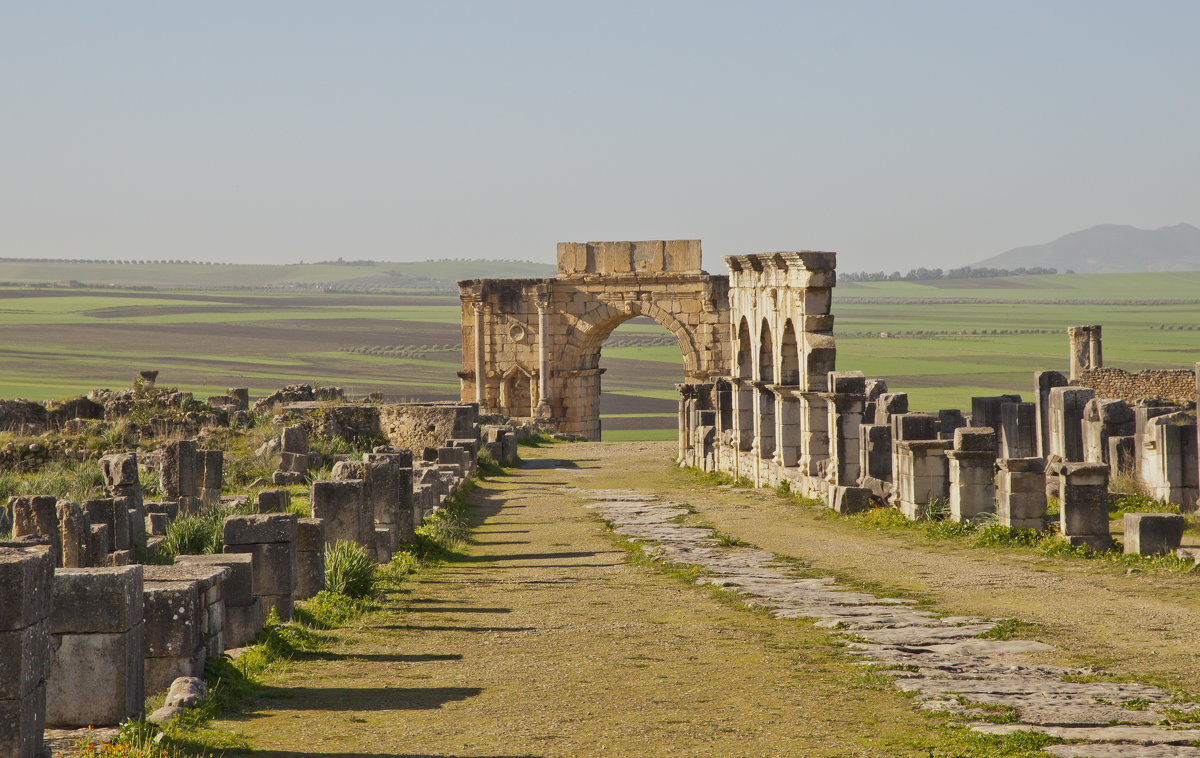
x: 760, y: 365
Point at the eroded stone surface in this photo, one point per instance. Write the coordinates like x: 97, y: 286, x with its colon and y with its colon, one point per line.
x: 944, y: 661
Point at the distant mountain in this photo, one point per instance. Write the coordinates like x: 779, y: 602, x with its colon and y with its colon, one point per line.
x: 1109, y: 249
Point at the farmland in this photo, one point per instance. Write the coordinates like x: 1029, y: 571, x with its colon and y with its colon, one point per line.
x: 948, y: 340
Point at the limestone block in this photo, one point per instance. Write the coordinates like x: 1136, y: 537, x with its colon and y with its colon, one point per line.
x: 172, y: 621
x: 274, y: 501
x: 975, y: 439
x: 35, y: 516
x: 971, y: 480
x: 211, y: 479
x: 157, y: 523
x: 96, y: 600
x: 275, y: 566
x: 681, y: 255
x: 1021, y: 493
x: 159, y: 673
x: 74, y: 535
x: 907, y: 427
x: 1121, y: 455
x: 24, y: 659
x: 847, y: 500
x: 95, y: 679
x: 949, y: 420
x: 1153, y: 533
x: 120, y: 470
x: 310, y: 573
x: 294, y: 463
x: 1084, y: 504
x: 237, y: 588
x: 26, y: 586
x: 106, y: 511
x: 178, y: 475
x: 890, y: 404
x: 572, y: 258
x: 284, y: 605
x: 287, y: 478
x: 22, y: 722
x: 264, y: 527
x: 99, y: 544
x: 243, y: 622
x: 294, y: 439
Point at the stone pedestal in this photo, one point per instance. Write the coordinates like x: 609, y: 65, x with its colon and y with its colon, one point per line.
x: 1168, y: 459
x: 1018, y: 430
x: 96, y: 670
x: 242, y: 612
x: 1083, y: 514
x: 310, y: 552
x: 1153, y: 533
x: 271, y: 539
x: 1021, y: 493
x: 1065, y: 428
x: 971, y: 473
x: 342, y: 506
x: 920, y: 473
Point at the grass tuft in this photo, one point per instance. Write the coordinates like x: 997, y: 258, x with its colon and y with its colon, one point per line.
x: 350, y: 571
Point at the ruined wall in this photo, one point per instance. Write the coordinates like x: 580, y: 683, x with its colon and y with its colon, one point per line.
x: 416, y: 426
x: 1176, y: 385
x: 531, y: 347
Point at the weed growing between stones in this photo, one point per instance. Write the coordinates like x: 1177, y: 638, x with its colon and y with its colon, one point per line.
x: 1009, y: 629
x: 135, y: 740
x: 198, y: 534
x: 350, y: 571
x: 76, y: 481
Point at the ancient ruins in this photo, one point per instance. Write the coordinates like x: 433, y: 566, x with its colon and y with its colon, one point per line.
x: 89, y: 627
x: 782, y: 414
x: 531, y: 347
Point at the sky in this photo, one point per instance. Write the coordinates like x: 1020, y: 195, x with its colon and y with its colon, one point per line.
x: 898, y: 134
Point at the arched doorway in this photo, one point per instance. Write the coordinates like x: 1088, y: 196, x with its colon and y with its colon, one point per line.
x: 555, y: 327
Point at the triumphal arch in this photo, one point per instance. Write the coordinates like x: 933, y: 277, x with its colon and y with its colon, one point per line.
x: 531, y: 347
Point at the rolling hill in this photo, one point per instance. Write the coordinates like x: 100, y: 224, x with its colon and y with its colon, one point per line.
x: 1108, y: 249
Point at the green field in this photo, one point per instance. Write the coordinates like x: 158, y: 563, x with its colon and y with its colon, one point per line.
x: 949, y: 340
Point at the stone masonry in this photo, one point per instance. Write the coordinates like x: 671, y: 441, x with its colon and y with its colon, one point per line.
x: 531, y: 347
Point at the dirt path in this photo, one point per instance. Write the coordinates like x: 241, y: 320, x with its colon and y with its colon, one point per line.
x: 546, y: 641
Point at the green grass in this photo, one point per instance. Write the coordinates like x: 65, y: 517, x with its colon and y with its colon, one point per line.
x: 630, y: 435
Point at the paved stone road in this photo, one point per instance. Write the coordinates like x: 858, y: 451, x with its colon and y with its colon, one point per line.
x: 943, y: 659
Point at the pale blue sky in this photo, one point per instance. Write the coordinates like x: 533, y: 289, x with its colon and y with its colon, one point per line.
x: 898, y: 134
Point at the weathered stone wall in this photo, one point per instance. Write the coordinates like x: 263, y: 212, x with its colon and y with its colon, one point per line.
x: 1176, y: 385
x: 416, y: 426
x: 531, y: 347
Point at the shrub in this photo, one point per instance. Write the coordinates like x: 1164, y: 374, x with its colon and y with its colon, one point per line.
x: 350, y: 571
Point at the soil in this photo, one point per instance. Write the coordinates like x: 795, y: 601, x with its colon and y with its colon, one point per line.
x: 544, y: 639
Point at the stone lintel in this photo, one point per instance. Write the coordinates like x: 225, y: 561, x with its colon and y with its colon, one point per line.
x: 923, y: 445
x: 1021, y: 465
x: 969, y: 455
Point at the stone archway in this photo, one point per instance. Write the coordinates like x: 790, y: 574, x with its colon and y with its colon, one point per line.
x: 559, y: 324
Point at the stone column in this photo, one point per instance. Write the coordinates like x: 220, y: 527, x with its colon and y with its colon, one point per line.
x: 1085, y: 353
x: 1083, y: 513
x: 1021, y: 493
x: 972, y: 473
x: 1018, y: 430
x: 1065, y: 428
x: 1043, y: 382
x: 814, y: 432
x: 544, y: 409
x: 271, y: 539
x: 788, y: 427
x: 921, y: 473
x: 480, y: 395
x: 844, y: 404
x: 1168, y: 460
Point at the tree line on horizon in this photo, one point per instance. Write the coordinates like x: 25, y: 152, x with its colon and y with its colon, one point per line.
x: 928, y: 274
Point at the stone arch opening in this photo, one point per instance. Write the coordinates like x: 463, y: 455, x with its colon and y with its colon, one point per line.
x: 745, y: 351
x: 789, y: 356
x: 766, y: 398
x: 564, y: 321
